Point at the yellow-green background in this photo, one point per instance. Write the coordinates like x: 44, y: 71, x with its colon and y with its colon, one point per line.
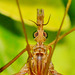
x: 12, y: 38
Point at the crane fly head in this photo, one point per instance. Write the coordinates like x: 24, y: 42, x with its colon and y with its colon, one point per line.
x: 40, y: 36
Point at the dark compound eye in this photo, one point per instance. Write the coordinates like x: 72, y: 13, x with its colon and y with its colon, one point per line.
x: 45, y: 34
x: 35, y: 34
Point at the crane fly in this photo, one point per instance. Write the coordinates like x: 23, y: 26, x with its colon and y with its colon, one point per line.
x: 39, y: 60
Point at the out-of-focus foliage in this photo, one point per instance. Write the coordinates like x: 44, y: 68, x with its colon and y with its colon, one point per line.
x: 71, y: 10
x: 12, y: 39
x: 29, y: 11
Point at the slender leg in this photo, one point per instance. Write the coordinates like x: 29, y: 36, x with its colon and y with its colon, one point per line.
x: 24, y: 70
x: 50, y: 51
x: 47, y: 66
x: 62, y: 36
x: 52, y: 71
x: 13, y: 60
x: 22, y: 21
x: 24, y: 29
x: 27, y: 48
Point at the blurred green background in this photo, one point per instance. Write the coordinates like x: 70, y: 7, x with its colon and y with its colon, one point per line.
x: 12, y: 38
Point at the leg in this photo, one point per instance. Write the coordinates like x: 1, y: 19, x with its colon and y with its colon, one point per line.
x: 62, y: 36
x: 27, y: 48
x: 13, y: 60
x: 67, y: 8
x: 22, y: 22
x: 50, y: 51
x: 24, y: 70
x: 51, y: 70
x: 25, y: 34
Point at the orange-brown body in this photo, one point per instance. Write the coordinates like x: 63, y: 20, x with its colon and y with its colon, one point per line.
x: 39, y: 60
x: 36, y: 65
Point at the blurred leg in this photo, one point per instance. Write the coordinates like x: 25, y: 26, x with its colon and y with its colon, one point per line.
x: 13, y: 60
x: 62, y: 36
x: 24, y: 70
x: 51, y: 70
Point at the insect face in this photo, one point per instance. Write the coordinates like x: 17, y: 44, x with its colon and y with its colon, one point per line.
x: 40, y: 36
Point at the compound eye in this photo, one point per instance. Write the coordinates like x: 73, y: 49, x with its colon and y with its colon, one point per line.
x: 35, y: 34
x: 45, y: 34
